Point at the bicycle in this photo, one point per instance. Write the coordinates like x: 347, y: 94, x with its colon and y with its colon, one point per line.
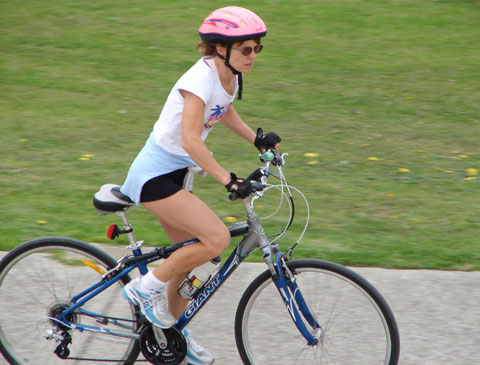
x: 64, y: 296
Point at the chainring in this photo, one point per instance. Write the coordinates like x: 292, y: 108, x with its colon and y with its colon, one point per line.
x: 172, y: 354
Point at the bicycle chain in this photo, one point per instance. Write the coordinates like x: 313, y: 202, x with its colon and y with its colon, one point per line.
x: 102, y: 360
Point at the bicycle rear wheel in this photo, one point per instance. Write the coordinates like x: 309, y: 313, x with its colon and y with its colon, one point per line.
x: 357, y: 326
x: 37, y: 281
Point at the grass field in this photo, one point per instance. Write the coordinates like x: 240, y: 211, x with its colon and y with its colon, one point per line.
x: 377, y: 103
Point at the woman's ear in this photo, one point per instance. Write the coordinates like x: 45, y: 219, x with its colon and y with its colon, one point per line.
x: 221, y: 50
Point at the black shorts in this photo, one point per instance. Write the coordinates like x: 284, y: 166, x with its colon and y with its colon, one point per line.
x: 163, y: 186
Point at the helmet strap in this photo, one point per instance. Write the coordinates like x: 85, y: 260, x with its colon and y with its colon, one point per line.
x: 235, y: 72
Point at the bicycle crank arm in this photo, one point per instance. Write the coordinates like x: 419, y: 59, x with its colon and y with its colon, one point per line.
x: 160, y: 337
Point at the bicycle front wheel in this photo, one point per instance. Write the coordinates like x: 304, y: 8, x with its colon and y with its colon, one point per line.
x: 356, y: 324
x: 37, y: 282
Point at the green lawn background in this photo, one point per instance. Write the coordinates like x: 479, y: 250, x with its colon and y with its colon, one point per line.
x: 382, y: 96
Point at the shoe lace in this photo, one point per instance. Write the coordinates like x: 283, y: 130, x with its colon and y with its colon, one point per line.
x: 160, y: 302
x: 157, y: 300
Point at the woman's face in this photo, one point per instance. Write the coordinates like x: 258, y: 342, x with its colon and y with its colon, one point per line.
x: 239, y: 61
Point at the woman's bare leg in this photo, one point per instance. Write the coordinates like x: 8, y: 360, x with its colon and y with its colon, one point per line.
x: 185, y: 216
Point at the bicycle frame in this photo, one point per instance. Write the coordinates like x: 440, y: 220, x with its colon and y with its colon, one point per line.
x: 222, y: 275
x: 253, y: 237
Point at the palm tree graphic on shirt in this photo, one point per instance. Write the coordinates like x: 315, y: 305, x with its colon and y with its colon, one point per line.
x: 217, y: 113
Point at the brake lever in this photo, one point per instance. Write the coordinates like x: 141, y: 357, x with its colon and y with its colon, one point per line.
x: 277, y: 159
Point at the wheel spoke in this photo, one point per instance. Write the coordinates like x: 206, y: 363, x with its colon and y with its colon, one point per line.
x: 357, y: 326
x: 38, y: 280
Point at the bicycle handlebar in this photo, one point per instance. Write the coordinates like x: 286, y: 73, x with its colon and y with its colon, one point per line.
x: 269, y: 157
x: 256, y: 186
x: 272, y: 156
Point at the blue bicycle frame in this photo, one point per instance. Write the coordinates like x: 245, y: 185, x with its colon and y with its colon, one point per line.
x: 235, y: 258
x: 253, y: 237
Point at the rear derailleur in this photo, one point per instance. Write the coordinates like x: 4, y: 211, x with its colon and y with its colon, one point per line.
x: 62, y: 350
x: 65, y: 339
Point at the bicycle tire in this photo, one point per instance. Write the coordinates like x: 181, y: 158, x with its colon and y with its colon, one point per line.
x: 358, y: 327
x: 38, y: 278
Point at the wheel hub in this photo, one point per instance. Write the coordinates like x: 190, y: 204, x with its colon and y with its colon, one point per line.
x: 58, y: 308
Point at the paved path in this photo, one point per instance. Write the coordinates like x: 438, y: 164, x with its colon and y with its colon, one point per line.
x: 438, y: 313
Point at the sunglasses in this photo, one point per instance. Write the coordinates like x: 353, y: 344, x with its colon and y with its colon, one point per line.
x: 248, y: 50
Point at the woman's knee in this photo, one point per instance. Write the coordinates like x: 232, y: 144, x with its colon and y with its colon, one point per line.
x: 219, y: 240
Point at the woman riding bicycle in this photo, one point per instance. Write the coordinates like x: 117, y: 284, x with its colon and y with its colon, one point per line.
x: 202, y: 96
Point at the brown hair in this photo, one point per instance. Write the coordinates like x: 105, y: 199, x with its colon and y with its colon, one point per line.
x: 210, y: 49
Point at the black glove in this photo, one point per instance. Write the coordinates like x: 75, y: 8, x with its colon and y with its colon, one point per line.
x: 256, y: 175
x: 266, y: 141
x: 239, y: 188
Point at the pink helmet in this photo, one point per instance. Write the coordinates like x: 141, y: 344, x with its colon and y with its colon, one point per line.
x: 232, y: 24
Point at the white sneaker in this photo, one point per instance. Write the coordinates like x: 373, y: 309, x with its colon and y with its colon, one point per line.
x: 196, y: 354
x: 153, y: 303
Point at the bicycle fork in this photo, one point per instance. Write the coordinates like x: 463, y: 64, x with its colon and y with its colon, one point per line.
x: 286, y: 285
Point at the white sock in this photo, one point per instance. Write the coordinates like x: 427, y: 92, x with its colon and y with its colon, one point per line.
x: 150, y: 282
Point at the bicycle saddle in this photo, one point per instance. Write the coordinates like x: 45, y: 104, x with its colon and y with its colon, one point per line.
x: 109, y: 199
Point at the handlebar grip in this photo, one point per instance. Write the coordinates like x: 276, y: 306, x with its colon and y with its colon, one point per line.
x: 256, y: 186
x: 233, y: 196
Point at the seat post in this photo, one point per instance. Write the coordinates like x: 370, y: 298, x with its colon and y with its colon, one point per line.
x: 134, y: 245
